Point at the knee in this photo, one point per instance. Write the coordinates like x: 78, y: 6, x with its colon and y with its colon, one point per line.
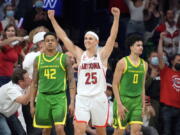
x: 59, y: 128
x: 79, y: 131
x: 101, y: 130
x: 80, y: 128
x: 118, y: 131
x: 136, y: 130
x: 46, y: 131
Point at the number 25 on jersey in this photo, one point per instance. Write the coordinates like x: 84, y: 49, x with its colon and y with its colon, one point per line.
x: 91, y: 78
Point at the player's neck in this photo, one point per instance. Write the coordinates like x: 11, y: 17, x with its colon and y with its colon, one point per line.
x: 134, y: 57
x: 50, y: 53
x: 91, y: 52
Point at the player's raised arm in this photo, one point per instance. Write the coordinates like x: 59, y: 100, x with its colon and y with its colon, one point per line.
x: 107, y: 49
x: 63, y: 36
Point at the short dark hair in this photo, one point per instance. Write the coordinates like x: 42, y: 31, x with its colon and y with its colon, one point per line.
x: 132, y: 39
x: 18, y: 74
x: 50, y: 33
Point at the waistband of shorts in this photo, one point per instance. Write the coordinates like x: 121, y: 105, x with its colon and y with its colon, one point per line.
x: 52, y: 93
x: 97, y: 94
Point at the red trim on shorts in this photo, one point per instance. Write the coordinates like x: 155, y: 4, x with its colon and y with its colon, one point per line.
x: 79, y: 121
x: 106, y: 123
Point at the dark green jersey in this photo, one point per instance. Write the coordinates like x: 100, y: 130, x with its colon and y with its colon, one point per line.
x: 51, y: 73
x: 131, y: 83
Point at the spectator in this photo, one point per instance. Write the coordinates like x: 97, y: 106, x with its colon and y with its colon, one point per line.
x: 38, y: 41
x: 169, y: 92
x: 136, y: 24
x: 153, y: 87
x: 35, y: 31
x: 171, y: 39
x: 11, y: 99
x: 9, y: 54
x: 9, y: 17
x: 152, y: 15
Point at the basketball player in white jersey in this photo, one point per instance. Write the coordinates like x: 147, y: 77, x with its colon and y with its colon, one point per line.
x: 91, y: 101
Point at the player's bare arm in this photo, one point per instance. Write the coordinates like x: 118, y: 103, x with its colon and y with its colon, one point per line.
x: 107, y: 49
x: 120, y: 67
x: 143, y: 93
x: 34, y: 87
x: 72, y: 84
x: 77, y: 52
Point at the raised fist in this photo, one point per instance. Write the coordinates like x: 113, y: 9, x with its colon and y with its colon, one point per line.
x: 115, y: 11
x: 163, y: 34
x: 51, y: 14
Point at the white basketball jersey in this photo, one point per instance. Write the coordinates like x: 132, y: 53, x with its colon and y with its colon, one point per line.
x: 91, y: 76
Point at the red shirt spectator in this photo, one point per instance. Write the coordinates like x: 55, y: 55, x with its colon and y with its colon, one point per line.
x: 8, y: 58
x: 170, y: 87
x: 8, y: 54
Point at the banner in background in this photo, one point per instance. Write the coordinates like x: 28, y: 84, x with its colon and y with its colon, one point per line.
x: 54, y: 4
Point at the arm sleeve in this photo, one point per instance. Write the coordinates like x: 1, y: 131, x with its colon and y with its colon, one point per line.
x: 13, y: 93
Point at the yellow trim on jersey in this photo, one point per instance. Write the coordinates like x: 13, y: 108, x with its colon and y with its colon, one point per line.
x: 125, y: 65
x: 144, y: 65
x: 61, y: 62
x: 65, y: 83
x: 40, y: 126
x: 132, y: 62
x: 63, y: 122
x: 64, y: 70
x: 39, y: 59
x: 50, y: 59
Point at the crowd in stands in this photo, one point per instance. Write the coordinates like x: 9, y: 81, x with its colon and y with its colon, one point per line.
x: 157, y: 21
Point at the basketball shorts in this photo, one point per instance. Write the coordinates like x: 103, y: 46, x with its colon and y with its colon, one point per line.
x: 50, y: 110
x: 94, y: 108
x: 134, y: 114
